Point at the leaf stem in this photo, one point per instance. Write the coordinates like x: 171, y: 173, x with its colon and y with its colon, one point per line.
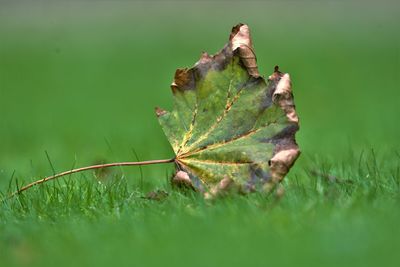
x: 93, y: 167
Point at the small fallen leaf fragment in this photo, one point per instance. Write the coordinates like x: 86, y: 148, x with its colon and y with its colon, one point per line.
x: 229, y: 126
x: 157, y: 195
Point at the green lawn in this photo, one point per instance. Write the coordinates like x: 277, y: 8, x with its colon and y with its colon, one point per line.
x: 80, y: 80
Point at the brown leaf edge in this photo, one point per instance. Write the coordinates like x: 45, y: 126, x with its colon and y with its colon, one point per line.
x: 287, y: 151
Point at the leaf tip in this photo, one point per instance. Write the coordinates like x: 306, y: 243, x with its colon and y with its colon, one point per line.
x: 283, y: 97
x: 183, y: 80
x: 160, y: 111
x: 282, y: 162
x: 182, y: 179
x: 240, y: 40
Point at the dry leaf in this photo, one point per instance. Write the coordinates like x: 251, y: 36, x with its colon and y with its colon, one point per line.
x: 229, y: 126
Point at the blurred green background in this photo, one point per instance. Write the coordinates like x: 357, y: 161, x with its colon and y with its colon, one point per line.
x: 80, y: 80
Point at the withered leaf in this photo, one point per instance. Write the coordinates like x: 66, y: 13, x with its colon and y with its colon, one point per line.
x: 229, y: 126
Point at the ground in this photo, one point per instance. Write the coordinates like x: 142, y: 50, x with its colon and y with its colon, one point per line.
x: 78, y: 85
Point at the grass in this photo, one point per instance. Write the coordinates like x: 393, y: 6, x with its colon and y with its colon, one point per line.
x: 78, y: 83
x: 352, y: 220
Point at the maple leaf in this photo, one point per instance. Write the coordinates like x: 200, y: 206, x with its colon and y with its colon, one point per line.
x: 229, y: 127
